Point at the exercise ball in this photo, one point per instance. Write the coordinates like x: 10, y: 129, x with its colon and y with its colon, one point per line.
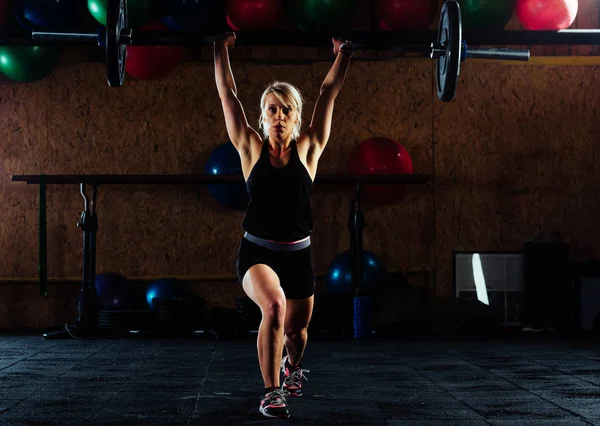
x: 26, y: 64
x: 231, y: 25
x: 139, y: 12
x: 486, y: 14
x: 339, y: 274
x: 114, y: 291
x: 170, y: 23
x: 324, y: 14
x: 97, y: 9
x: 399, y: 15
x: 153, y: 62
x: 196, y: 15
x: 225, y: 161
x: 380, y: 156
x: 46, y: 13
x: 167, y: 290
x: 254, y: 15
x: 547, y: 15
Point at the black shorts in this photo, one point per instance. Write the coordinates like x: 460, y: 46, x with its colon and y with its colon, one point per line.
x: 295, y: 269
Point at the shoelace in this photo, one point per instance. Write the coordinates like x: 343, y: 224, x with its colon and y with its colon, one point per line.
x: 296, y: 376
x: 275, y: 397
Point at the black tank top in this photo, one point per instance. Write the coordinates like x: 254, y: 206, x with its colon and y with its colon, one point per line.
x: 279, y: 207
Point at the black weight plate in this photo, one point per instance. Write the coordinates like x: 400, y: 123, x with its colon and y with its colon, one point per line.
x: 116, y: 52
x: 448, y: 64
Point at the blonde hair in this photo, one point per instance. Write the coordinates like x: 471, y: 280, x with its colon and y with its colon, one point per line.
x: 285, y: 92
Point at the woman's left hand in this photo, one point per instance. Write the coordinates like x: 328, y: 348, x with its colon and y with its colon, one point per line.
x: 337, y: 44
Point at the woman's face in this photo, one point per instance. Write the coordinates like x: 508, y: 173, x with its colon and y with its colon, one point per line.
x: 280, y: 117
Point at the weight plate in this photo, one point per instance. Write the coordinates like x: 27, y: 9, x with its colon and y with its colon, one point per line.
x: 116, y: 52
x: 448, y: 64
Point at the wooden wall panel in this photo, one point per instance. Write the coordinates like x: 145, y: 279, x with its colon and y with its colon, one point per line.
x: 515, y: 151
x: 23, y: 136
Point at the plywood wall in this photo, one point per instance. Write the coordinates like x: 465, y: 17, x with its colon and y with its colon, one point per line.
x: 514, y: 153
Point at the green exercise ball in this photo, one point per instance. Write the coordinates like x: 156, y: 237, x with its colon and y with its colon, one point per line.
x: 325, y: 14
x: 25, y: 64
x: 139, y: 12
x: 98, y: 10
x: 486, y: 14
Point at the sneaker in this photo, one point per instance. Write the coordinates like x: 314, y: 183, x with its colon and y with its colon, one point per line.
x: 292, y: 383
x: 274, y: 404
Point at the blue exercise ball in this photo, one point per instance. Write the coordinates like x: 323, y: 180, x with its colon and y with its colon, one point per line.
x: 114, y: 291
x: 225, y: 160
x: 196, y: 15
x: 54, y: 14
x: 168, y: 290
x: 339, y: 274
x: 171, y: 24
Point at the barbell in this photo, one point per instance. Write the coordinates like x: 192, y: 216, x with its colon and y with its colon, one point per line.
x: 449, y: 49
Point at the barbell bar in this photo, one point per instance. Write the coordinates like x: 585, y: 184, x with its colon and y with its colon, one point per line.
x: 449, y: 49
x: 421, y: 40
x: 195, y: 180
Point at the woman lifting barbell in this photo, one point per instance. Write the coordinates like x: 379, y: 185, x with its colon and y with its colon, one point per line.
x: 274, y: 260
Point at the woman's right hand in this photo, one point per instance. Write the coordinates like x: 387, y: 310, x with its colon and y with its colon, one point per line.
x: 227, y: 39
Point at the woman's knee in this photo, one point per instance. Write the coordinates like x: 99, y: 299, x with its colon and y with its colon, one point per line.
x: 261, y: 284
x: 297, y: 333
x: 273, y: 310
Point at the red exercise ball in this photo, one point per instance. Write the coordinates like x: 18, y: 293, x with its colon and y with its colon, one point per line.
x: 152, y: 62
x: 377, y: 156
x: 254, y: 15
x: 231, y: 24
x: 398, y: 15
x: 547, y: 15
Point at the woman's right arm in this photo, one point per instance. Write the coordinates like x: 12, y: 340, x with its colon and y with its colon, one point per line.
x: 238, y: 128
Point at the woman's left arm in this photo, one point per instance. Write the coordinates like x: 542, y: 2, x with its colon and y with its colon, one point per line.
x: 320, y: 125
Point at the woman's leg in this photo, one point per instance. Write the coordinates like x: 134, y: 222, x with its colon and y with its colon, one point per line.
x: 297, y: 317
x: 261, y: 284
